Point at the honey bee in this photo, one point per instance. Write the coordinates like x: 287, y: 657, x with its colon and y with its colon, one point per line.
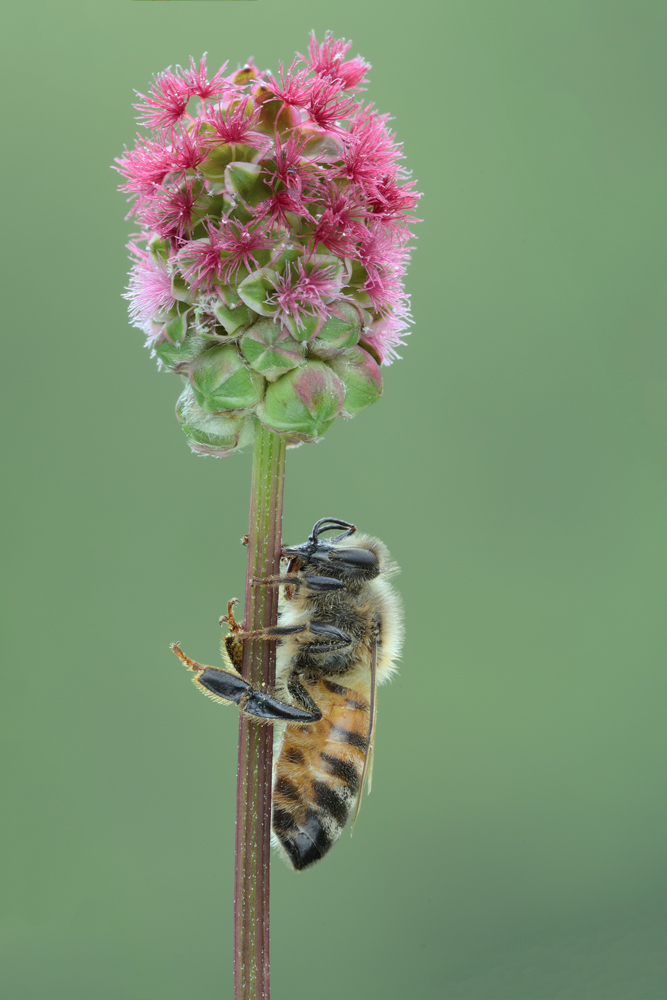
x: 339, y: 632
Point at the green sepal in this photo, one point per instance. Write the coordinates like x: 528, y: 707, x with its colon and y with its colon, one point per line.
x: 176, y: 328
x: 175, y: 357
x: 326, y: 260
x: 241, y: 213
x: 207, y: 434
x: 180, y: 290
x: 319, y: 145
x: 307, y: 326
x: 245, y: 180
x: 213, y: 167
x: 235, y: 316
x: 304, y: 402
x: 359, y: 274
x: 269, y: 349
x: 361, y: 376
x: 263, y: 255
x: 361, y: 297
x: 373, y: 351
x: 340, y: 332
x: 269, y: 110
x: 221, y: 381
x: 287, y: 256
x: 256, y: 288
x: 159, y: 249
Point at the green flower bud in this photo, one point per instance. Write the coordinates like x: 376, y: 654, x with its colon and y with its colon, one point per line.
x: 361, y: 376
x: 176, y: 328
x: 176, y: 344
x: 304, y: 402
x: 256, y: 288
x: 245, y: 180
x: 269, y: 349
x: 210, y: 434
x: 305, y: 327
x: 176, y: 357
x: 274, y: 115
x: 233, y: 314
x: 287, y: 256
x: 180, y: 290
x: 221, y: 381
x: 341, y: 330
x: 214, y: 166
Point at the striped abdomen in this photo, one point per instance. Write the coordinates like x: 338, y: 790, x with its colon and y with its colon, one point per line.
x: 318, y: 773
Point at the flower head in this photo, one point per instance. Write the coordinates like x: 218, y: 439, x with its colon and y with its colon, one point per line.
x: 275, y: 217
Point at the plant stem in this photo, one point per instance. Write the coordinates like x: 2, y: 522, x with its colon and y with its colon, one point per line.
x: 253, y: 793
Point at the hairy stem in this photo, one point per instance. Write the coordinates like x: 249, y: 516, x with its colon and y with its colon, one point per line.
x: 253, y: 794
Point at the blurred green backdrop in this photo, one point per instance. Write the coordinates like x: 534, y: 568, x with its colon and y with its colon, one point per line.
x: 514, y: 844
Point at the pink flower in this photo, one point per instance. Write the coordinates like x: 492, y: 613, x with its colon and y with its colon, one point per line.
x: 145, y: 167
x: 170, y: 93
x: 326, y: 107
x: 171, y: 213
x: 167, y: 102
x: 235, y: 125
x: 300, y: 293
x: 327, y: 60
x: 149, y: 289
x: 188, y: 149
x: 387, y: 332
x: 201, y: 263
x: 295, y: 85
x: 384, y: 255
x: 340, y: 226
x: 197, y: 83
x: 204, y: 263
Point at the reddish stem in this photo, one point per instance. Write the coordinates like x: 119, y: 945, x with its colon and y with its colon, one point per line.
x: 253, y: 793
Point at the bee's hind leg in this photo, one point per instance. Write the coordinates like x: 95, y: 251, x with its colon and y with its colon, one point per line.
x: 229, y: 687
x: 223, y: 685
x: 264, y: 706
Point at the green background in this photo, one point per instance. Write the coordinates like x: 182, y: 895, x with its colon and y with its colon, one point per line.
x: 514, y: 843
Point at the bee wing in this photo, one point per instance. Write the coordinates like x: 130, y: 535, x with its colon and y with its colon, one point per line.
x: 367, y: 772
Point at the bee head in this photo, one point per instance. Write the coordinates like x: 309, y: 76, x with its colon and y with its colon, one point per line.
x: 330, y: 558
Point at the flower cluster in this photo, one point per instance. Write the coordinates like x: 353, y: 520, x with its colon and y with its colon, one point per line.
x: 274, y: 220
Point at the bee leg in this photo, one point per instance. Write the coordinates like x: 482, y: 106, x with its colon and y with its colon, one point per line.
x: 192, y: 664
x: 323, y: 583
x: 301, y: 696
x: 273, y: 632
x: 330, y: 638
x: 312, y: 582
x: 229, y: 618
x: 263, y: 706
x: 223, y: 685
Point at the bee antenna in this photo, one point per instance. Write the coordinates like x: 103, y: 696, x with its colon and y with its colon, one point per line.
x: 328, y: 524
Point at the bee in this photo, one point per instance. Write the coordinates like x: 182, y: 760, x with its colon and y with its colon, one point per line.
x: 339, y: 633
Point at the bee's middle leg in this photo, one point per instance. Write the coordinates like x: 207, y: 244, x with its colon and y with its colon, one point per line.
x: 317, y: 583
x: 272, y: 632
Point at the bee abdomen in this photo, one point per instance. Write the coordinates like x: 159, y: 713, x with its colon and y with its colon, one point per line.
x: 308, y: 826
x: 318, y: 774
x: 312, y: 800
x: 305, y: 842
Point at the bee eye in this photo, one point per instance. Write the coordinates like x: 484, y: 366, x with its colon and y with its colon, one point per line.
x: 355, y: 558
